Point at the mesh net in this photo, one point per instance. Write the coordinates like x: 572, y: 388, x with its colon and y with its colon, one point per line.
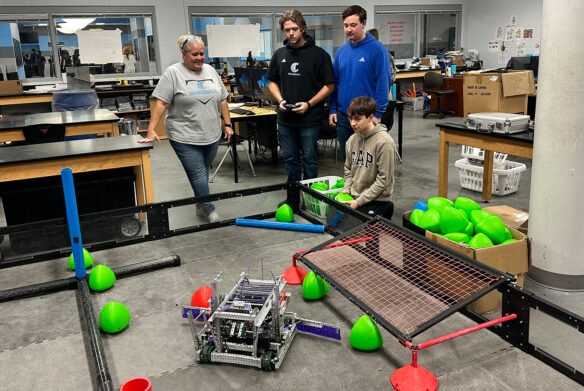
x: 399, y: 279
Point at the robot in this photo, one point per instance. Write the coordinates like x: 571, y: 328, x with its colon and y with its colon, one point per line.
x: 250, y: 326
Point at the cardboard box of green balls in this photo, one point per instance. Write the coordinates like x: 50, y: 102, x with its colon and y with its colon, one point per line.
x: 329, y: 186
x: 466, y: 228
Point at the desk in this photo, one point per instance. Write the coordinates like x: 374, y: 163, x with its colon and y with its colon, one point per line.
x: 268, y: 113
x: 42, y: 160
x: 414, y: 73
x: 519, y: 144
x: 99, y: 121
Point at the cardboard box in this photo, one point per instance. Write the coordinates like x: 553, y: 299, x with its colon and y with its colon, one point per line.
x: 413, y: 104
x: 10, y: 87
x: 497, y: 92
x: 511, y: 217
x: 425, y: 61
x: 512, y: 258
x: 457, y: 60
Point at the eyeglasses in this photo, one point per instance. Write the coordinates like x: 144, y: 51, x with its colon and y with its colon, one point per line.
x: 202, y: 54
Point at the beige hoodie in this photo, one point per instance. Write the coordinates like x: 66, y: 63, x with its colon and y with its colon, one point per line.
x: 369, y: 166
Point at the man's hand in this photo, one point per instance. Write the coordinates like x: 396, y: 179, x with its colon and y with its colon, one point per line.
x: 150, y: 137
x: 352, y: 204
x: 333, y: 120
x: 301, y: 108
x: 281, y: 105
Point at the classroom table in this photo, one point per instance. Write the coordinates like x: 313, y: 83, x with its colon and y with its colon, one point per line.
x: 518, y: 144
x: 258, y: 113
x: 43, y: 160
x: 100, y: 121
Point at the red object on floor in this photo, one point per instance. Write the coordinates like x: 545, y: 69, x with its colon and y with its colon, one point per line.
x: 201, y: 297
x: 294, y: 275
x: 137, y: 384
x: 413, y: 377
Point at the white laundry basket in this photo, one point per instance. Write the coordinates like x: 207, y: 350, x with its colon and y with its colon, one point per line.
x: 506, y: 176
x: 316, y: 207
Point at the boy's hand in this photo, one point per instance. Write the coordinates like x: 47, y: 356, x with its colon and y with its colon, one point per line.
x: 353, y: 204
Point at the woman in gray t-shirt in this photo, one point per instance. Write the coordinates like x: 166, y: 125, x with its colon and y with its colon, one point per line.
x: 195, y: 98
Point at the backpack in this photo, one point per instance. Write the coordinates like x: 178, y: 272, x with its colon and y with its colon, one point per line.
x: 392, y: 67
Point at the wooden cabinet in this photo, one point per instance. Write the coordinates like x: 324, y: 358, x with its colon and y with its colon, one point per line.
x: 452, y: 102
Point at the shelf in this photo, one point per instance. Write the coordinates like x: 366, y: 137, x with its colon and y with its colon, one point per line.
x: 131, y: 111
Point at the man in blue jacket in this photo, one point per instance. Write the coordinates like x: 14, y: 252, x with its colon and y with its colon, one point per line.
x: 300, y: 78
x: 361, y: 68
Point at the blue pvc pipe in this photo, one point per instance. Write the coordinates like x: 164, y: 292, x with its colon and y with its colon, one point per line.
x: 73, y: 222
x: 279, y: 225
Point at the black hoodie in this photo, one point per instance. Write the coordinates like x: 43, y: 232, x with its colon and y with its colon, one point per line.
x: 301, y: 73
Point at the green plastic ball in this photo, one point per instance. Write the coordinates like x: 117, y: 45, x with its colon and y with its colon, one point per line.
x: 416, y: 216
x: 457, y: 237
x: 480, y: 240
x: 509, y: 241
x: 431, y: 220
x: 114, y: 317
x: 469, y: 229
x: 340, y: 184
x: 493, y: 227
x: 452, y: 220
x: 320, y: 186
x: 365, y: 335
x: 439, y: 203
x: 314, y: 287
x: 466, y: 204
x: 508, y: 234
x: 285, y: 214
x: 341, y: 197
x: 101, y: 278
x: 477, y: 216
x: 87, y: 258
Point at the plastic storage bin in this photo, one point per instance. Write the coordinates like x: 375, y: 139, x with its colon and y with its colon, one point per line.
x: 316, y: 207
x: 478, y: 155
x: 506, y: 176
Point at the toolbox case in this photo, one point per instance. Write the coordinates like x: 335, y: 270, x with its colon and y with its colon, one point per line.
x: 498, y: 122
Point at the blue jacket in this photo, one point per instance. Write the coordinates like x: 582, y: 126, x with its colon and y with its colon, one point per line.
x: 361, y: 69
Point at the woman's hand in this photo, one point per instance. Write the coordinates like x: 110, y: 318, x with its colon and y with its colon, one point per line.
x: 227, y: 133
x: 150, y: 137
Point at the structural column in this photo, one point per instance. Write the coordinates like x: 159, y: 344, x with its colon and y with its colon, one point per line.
x: 556, y: 208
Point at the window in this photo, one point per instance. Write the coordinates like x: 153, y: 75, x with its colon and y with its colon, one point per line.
x: 38, y: 47
x: 411, y: 32
x: 324, y: 24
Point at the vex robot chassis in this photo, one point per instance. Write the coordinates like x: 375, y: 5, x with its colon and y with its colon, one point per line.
x: 250, y: 325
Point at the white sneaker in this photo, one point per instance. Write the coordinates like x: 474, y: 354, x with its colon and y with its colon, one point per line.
x: 213, y: 217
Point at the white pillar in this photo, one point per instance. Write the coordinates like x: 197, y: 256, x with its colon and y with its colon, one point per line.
x: 556, y: 208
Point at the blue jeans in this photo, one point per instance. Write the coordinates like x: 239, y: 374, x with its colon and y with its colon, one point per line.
x: 196, y: 160
x: 344, y: 131
x: 293, y: 141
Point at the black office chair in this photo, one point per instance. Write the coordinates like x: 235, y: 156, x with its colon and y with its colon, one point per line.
x: 238, y: 141
x: 434, y: 80
x: 327, y: 132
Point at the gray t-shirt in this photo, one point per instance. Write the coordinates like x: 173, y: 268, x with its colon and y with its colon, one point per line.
x: 194, y: 114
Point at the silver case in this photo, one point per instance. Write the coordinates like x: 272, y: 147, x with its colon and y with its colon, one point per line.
x: 504, y: 123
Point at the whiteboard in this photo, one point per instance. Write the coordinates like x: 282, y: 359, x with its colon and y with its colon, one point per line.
x: 233, y: 40
x: 100, y: 46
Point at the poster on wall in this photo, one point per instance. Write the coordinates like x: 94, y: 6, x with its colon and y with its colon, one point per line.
x: 503, y: 56
x: 520, y: 48
x: 499, y: 34
x: 527, y: 33
x: 100, y: 46
x: 511, y: 20
x: 518, y: 33
x: 509, y: 34
x: 493, y: 46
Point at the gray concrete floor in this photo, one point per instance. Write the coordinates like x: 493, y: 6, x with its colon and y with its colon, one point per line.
x: 42, y: 345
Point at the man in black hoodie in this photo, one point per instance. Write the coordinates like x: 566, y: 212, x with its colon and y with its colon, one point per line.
x: 300, y: 78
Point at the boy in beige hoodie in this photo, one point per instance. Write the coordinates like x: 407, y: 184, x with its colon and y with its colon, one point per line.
x: 369, y: 162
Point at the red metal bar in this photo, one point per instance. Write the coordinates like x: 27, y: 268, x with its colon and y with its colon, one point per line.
x: 462, y: 332
x: 337, y: 244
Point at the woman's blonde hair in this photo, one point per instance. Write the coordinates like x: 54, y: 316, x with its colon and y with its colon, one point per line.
x: 184, y: 41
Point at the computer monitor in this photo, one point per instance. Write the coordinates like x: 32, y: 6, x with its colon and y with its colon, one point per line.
x: 261, y: 85
x: 520, y: 63
x: 244, y: 82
